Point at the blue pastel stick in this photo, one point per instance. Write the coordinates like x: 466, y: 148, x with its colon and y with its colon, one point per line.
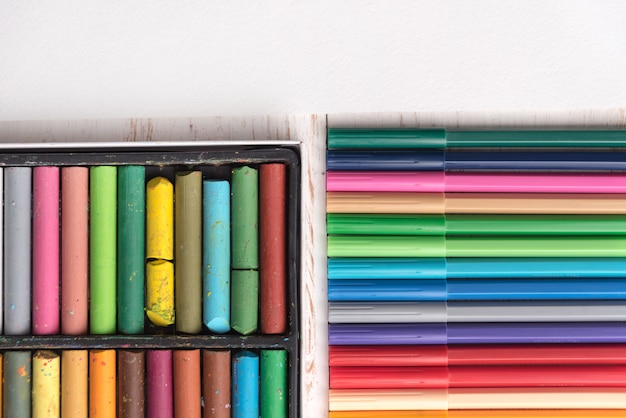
x: 216, y: 255
x: 436, y: 160
x: 536, y: 289
x: 245, y: 381
x: 477, y: 333
x: 340, y: 290
x: 436, y: 268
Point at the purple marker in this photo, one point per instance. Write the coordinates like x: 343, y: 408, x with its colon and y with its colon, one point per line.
x: 477, y: 333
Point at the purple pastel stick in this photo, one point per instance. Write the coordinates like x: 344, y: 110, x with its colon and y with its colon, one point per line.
x: 545, y: 332
x: 160, y: 402
x: 386, y: 334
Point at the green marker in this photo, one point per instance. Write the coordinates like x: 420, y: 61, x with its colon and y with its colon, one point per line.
x: 102, y: 254
x: 475, y: 246
x: 409, y: 224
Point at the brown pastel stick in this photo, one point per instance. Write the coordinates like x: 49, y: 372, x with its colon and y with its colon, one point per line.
x: 187, y: 391
x: 216, y: 383
x: 272, y: 234
x: 74, y: 250
x: 130, y: 387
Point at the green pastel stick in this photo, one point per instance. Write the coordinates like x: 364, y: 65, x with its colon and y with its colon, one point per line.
x: 386, y: 138
x: 102, y: 254
x: 130, y: 249
x: 592, y: 138
x: 16, y: 387
x: 418, y: 224
x: 386, y: 246
x: 245, y: 218
x: 244, y: 302
x: 475, y: 246
x: 274, y: 389
x: 188, y: 254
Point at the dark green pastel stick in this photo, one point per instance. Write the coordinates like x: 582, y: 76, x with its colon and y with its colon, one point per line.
x: 188, y: 254
x: 386, y: 138
x: 244, y: 302
x: 102, y: 254
x: 16, y: 388
x: 131, y: 188
x: 591, y: 138
x: 408, y: 224
x: 245, y: 218
x: 274, y: 391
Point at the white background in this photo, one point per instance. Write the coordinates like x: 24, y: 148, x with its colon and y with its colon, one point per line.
x: 110, y: 59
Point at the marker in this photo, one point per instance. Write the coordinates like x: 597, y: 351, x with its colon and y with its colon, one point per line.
x: 477, y: 398
x: 478, y: 203
x: 381, y: 290
x: 477, y: 333
x: 474, y: 160
x: 477, y: 354
x: 476, y: 311
x: 415, y: 377
x: 456, y: 224
x: 505, y: 267
x: 472, y: 246
x: 438, y: 138
x: 468, y: 182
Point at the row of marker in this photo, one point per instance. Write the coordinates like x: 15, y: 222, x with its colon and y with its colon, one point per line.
x: 474, y: 281
x: 103, y: 247
x: 138, y: 383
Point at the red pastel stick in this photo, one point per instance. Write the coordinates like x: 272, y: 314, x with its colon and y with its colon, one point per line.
x: 272, y: 239
x: 46, y: 313
x: 476, y: 377
x: 505, y: 354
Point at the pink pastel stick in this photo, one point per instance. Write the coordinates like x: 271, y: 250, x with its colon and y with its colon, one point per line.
x: 46, y: 316
x: 74, y: 247
x: 438, y: 181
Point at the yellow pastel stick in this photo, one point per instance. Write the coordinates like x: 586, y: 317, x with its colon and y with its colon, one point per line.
x: 160, y: 292
x: 160, y: 219
x: 74, y: 386
x: 102, y: 393
x: 46, y: 384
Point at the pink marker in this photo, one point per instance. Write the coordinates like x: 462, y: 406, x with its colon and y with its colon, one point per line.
x: 439, y: 181
x: 46, y: 314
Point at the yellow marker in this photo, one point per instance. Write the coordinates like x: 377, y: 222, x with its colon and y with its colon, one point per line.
x: 160, y: 292
x: 46, y: 384
x: 160, y: 219
x: 74, y: 383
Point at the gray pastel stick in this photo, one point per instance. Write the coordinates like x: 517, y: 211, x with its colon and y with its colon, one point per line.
x: 16, y: 394
x: 384, y: 312
x: 17, y: 247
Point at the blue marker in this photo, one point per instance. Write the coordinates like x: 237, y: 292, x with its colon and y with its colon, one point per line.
x: 216, y: 256
x: 505, y: 267
x: 475, y: 160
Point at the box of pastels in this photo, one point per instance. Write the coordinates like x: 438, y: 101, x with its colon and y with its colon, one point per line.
x: 150, y: 278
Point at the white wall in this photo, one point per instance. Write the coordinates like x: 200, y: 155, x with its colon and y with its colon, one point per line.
x: 88, y: 59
